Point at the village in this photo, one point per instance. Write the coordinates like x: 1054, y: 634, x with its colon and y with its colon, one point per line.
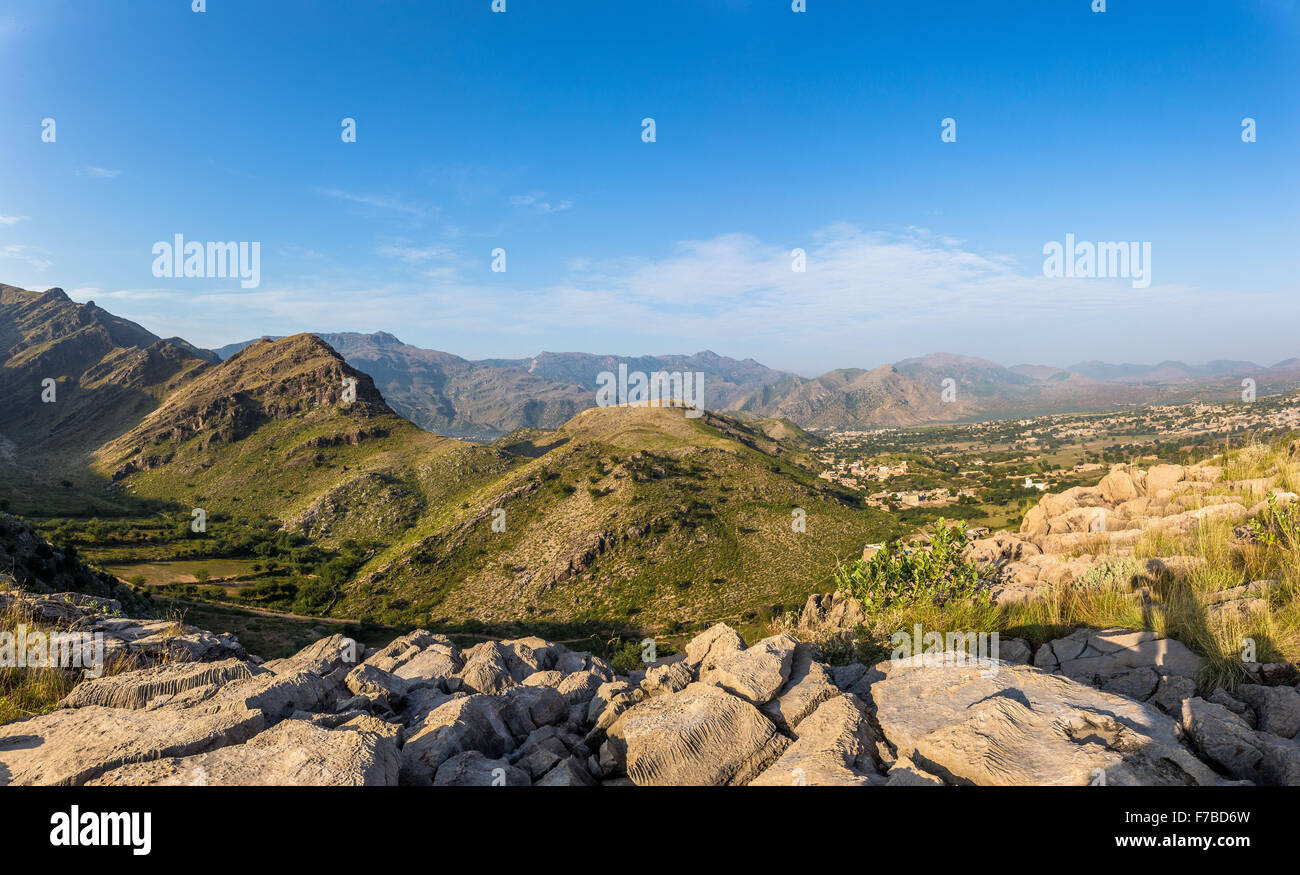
x: 1010, y: 461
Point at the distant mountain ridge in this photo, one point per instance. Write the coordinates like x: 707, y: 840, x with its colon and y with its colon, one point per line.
x: 481, y: 400
x: 113, y: 372
x: 1168, y: 371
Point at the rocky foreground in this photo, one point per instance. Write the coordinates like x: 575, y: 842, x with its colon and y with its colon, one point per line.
x: 1113, y: 707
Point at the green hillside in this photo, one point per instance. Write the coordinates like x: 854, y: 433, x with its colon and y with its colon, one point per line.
x: 320, y: 502
x: 639, y: 516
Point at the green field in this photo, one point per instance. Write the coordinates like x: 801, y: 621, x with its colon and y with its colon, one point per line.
x: 225, y: 572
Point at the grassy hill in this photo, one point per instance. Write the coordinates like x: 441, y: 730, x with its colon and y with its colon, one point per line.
x: 637, y: 518
x: 632, y: 515
x: 268, y: 432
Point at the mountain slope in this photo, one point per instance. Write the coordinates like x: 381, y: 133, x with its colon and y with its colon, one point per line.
x: 631, y: 514
x: 727, y: 381
x: 854, y: 398
x: 269, y: 431
x: 108, y: 373
x: 449, y: 395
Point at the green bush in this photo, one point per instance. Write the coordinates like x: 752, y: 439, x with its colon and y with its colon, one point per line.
x: 1278, y: 526
x: 899, y: 575
x: 627, y: 658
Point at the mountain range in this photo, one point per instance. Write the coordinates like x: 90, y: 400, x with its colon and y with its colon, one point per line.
x: 619, y: 514
x: 482, y: 400
x: 557, y: 513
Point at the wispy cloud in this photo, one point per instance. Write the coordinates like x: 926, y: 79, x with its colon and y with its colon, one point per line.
x: 88, y: 292
x: 12, y: 220
x: 866, y: 297
x: 537, y: 201
x: 385, y: 203
x: 414, y: 255
x: 99, y: 173
x: 26, y: 255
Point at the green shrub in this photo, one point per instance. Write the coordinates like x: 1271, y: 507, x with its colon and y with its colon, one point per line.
x: 899, y: 575
x: 627, y: 658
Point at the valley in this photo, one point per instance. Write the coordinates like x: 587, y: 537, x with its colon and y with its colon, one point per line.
x: 575, y: 521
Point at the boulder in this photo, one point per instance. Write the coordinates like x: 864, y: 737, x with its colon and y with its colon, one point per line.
x: 292, y: 753
x: 711, y: 644
x: 579, y: 687
x: 400, y: 651
x: 1022, y: 726
x: 432, y: 663
x: 154, y: 686
x: 809, y: 685
x: 755, y: 674
x: 829, y: 614
x: 548, y: 678
x: 1257, y: 589
x: 570, y: 772
x: 702, y: 735
x: 1137, y: 683
x: 321, y: 657
x: 366, y: 680
x: 1277, y: 708
x: 1117, y: 486
x: 72, y: 746
x: 1035, y: 521
x: 1171, y: 692
x: 1272, y: 674
x: 1161, y: 477
x: 164, y: 641
x: 834, y: 747
x: 419, y: 655
x: 605, y: 694
x: 1092, y: 654
x: 670, y: 678
x: 540, y: 760
x: 545, y: 655
x: 1220, y: 696
x: 1223, y: 738
x: 276, y: 695
x: 1015, y: 651
x: 525, y: 709
x: 1236, y: 610
x: 465, y: 723
x: 473, y: 769
x: 487, y: 670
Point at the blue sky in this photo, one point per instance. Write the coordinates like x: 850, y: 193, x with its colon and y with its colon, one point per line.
x: 775, y: 130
